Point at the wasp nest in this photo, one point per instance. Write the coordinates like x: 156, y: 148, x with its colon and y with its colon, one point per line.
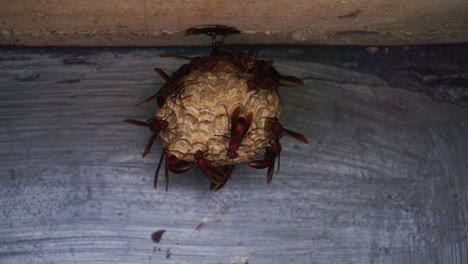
x: 217, y: 111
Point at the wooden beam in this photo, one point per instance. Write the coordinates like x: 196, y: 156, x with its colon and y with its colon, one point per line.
x: 153, y: 23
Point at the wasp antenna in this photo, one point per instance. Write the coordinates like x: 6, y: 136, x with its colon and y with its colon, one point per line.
x: 155, y: 183
x: 153, y: 137
x: 166, y: 175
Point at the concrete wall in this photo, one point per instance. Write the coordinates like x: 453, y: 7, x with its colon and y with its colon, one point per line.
x: 131, y: 22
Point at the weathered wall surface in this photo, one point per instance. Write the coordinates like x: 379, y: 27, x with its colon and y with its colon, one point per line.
x: 383, y: 179
x: 131, y: 22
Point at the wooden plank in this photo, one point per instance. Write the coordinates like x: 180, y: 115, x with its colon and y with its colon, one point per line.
x: 383, y: 179
x: 152, y: 22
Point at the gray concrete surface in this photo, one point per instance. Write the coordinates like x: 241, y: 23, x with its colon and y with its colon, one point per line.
x: 383, y: 179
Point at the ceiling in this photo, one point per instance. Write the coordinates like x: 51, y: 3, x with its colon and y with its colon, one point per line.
x: 155, y: 23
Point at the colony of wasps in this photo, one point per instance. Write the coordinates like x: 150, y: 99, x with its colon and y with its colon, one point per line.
x: 219, y: 110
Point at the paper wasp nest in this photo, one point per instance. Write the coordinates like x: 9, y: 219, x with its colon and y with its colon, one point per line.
x: 201, y: 119
x: 216, y: 111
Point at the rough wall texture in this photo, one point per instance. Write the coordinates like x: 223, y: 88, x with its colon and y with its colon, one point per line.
x: 383, y: 179
x: 131, y: 22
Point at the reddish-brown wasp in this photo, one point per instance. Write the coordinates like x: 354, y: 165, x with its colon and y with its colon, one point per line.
x: 200, y: 158
x: 268, y: 78
x: 239, y: 128
x: 155, y: 125
x: 204, y: 63
x: 182, y: 71
x: 244, y: 60
x: 274, y: 150
x: 218, y: 176
x: 271, y: 153
x: 171, y: 163
x: 172, y: 88
x: 278, y: 131
x: 261, y: 79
